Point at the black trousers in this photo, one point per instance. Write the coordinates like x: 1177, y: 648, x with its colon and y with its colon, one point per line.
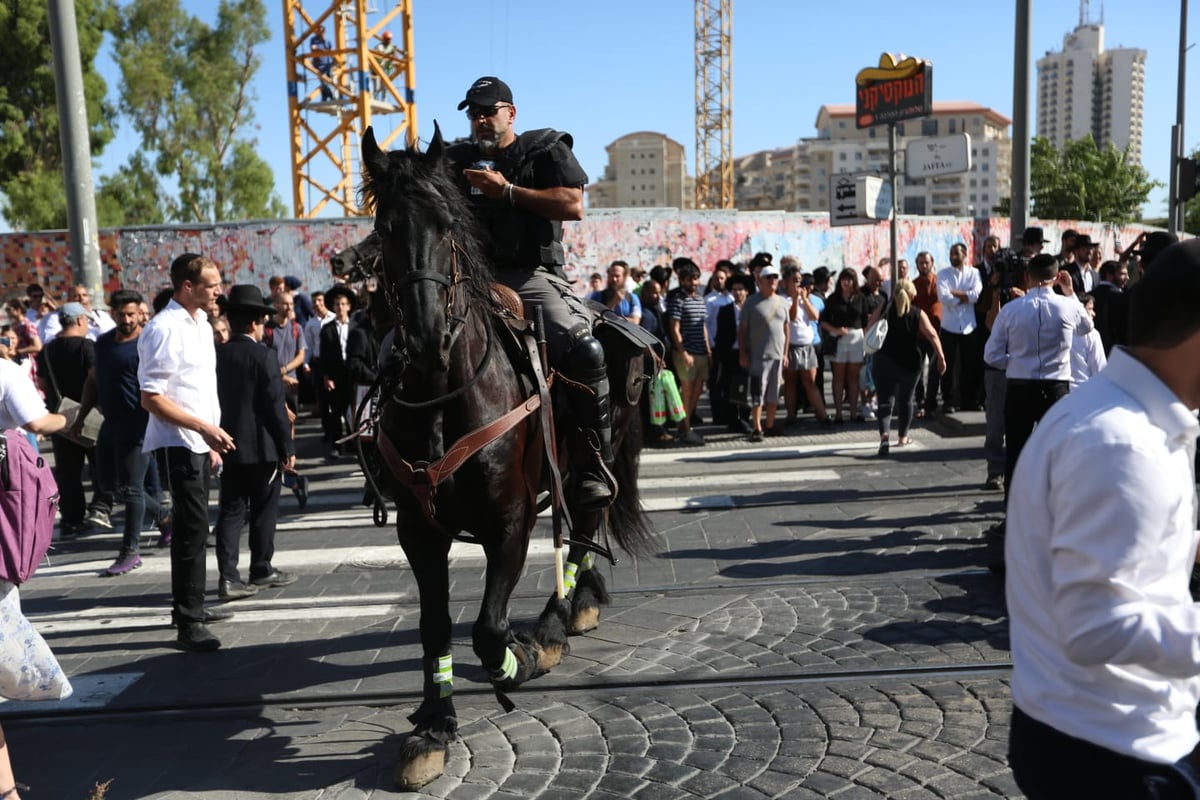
x: 69, y: 460
x: 964, y: 365
x: 253, y: 487
x: 188, y: 477
x: 1025, y: 403
x: 1047, y: 764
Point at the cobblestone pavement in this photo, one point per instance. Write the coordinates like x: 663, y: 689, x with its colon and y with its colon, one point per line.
x: 816, y: 622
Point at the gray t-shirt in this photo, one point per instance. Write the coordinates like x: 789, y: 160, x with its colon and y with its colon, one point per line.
x: 766, y: 334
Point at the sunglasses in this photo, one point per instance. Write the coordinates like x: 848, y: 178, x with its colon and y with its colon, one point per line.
x: 484, y: 111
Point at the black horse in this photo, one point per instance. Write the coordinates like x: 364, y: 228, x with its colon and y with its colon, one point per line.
x: 451, y: 375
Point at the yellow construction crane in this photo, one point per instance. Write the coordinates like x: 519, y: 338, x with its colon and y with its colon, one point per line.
x: 348, y: 67
x: 714, y: 99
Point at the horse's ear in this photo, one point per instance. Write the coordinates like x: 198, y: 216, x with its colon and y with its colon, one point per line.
x: 437, y: 145
x: 375, y: 161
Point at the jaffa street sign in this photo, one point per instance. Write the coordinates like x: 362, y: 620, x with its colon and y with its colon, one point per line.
x: 899, y: 88
x: 943, y: 155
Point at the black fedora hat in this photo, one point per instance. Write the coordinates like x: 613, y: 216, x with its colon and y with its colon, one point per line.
x: 247, y: 297
x: 340, y: 290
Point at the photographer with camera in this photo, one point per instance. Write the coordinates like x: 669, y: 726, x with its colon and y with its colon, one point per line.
x: 1031, y: 341
x: 1007, y: 282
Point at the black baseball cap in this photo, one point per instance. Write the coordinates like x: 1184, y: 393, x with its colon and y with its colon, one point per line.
x: 487, y: 91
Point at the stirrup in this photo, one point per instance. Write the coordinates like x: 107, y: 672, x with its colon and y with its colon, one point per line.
x: 597, y: 474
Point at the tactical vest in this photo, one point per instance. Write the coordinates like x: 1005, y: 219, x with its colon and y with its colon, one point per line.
x: 519, y: 239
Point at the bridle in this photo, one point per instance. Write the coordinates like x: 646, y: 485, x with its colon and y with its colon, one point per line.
x: 454, y: 321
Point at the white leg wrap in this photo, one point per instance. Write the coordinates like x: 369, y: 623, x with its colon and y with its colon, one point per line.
x: 570, y: 573
x: 444, y: 675
x: 508, y: 670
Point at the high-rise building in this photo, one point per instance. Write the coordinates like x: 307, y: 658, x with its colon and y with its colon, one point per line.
x: 1086, y: 89
x: 645, y: 169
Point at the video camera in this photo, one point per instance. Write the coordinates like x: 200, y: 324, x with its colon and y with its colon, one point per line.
x: 1011, y: 267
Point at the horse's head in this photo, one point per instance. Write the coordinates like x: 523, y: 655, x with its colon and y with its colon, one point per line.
x: 426, y: 237
x: 358, y: 261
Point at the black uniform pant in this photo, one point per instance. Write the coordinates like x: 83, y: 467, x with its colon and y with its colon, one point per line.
x: 1025, y: 403
x: 253, y: 488
x: 188, y: 476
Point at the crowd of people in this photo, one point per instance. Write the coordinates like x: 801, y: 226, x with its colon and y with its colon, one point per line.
x: 762, y: 337
x: 199, y: 382
x: 205, y: 383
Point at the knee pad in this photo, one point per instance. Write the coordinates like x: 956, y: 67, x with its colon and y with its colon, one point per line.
x: 585, y: 359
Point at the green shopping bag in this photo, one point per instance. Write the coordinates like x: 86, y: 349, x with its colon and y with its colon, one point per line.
x: 665, y: 402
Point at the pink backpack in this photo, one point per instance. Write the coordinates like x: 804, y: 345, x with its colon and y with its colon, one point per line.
x: 28, y: 506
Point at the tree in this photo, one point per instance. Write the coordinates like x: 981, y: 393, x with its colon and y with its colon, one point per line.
x: 1191, y: 208
x: 1086, y: 182
x: 31, y: 162
x: 186, y: 90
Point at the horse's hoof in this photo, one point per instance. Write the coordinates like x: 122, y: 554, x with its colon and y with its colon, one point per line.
x: 584, y: 620
x: 421, y: 761
x: 550, y: 656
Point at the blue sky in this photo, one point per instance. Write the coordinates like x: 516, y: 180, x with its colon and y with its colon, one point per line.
x: 601, y: 70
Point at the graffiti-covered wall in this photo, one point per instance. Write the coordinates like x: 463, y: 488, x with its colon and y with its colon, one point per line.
x: 252, y: 252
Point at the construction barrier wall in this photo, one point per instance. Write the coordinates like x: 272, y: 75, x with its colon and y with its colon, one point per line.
x: 251, y: 252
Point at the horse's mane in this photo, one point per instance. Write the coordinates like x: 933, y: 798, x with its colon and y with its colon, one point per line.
x: 420, y: 187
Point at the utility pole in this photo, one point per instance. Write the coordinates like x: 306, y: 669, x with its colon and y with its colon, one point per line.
x: 1178, y: 146
x: 1019, y: 201
x: 76, y: 149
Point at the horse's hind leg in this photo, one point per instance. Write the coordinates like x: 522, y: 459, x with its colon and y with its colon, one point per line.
x: 590, y: 594
x: 423, y: 752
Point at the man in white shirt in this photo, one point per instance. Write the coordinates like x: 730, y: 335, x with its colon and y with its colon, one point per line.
x: 1105, y: 636
x: 958, y: 287
x: 98, y: 321
x: 312, y: 347
x: 1031, y: 341
x: 178, y: 380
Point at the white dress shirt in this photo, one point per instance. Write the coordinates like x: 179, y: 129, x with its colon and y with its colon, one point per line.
x: 958, y: 317
x: 20, y: 402
x: 98, y: 323
x: 1105, y: 637
x: 312, y: 335
x: 177, y: 359
x: 1087, y: 358
x: 1031, y: 338
x: 715, y: 301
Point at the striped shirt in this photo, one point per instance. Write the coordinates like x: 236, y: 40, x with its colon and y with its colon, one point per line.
x: 692, y: 313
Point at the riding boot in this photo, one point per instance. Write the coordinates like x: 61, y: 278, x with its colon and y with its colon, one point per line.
x: 594, y: 420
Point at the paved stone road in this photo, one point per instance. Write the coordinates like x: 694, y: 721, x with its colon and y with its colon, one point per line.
x: 816, y: 623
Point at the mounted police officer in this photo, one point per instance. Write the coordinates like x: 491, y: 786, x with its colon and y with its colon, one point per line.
x: 523, y: 187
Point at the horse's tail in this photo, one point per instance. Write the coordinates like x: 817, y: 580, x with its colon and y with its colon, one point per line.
x: 627, y: 521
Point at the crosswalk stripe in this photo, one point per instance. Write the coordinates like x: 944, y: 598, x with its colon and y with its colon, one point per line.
x: 646, y: 486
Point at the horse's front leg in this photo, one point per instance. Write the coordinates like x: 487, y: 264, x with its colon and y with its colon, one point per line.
x: 423, y: 752
x: 509, y: 660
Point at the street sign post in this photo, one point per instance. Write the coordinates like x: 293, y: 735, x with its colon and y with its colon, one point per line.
x: 899, y: 88
x: 943, y: 155
x: 843, y: 201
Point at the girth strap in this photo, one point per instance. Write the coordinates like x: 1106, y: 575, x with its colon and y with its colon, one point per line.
x: 422, y: 478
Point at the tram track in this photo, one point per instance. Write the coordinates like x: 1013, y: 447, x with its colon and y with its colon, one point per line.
x: 477, y: 692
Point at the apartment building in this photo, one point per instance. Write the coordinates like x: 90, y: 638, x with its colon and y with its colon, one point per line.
x: 645, y: 169
x: 796, y: 178
x: 1086, y: 89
